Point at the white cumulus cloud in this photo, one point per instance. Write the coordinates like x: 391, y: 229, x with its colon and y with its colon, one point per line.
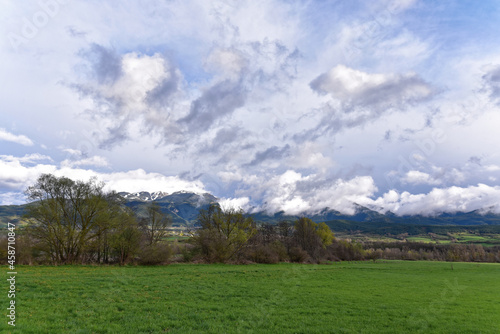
x: 235, y: 203
x: 452, y: 199
x: 19, y: 139
x: 359, y: 88
x: 417, y: 177
x: 95, y: 161
x: 294, y: 193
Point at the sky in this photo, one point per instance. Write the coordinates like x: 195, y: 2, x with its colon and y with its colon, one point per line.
x: 291, y: 106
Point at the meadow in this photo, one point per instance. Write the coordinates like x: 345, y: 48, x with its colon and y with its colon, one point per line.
x: 347, y: 297
x: 486, y: 239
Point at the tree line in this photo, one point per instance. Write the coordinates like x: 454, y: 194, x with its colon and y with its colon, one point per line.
x: 77, y: 222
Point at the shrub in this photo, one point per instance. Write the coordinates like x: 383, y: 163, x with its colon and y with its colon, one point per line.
x: 188, y: 252
x: 347, y: 251
x: 264, y: 254
x: 297, y: 254
x: 155, y: 254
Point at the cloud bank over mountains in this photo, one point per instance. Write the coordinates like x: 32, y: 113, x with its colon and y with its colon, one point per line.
x: 279, y: 105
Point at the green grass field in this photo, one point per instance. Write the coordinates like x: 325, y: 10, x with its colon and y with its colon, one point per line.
x: 368, y: 297
x: 420, y: 239
x: 487, y: 240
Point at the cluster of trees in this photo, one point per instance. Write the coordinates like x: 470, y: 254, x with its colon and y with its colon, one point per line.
x: 78, y: 222
x: 426, y: 251
x: 228, y: 235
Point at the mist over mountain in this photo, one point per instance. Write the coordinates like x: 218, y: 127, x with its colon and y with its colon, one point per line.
x: 184, y: 206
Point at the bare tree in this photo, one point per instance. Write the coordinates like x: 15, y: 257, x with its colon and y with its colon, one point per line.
x: 155, y: 224
x: 68, y: 215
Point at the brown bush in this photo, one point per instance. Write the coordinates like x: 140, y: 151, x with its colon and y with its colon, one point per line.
x: 264, y: 254
x: 155, y: 254
x: 297, y: 254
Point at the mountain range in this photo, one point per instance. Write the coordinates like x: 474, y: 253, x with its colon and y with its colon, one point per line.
x: 183, y: 207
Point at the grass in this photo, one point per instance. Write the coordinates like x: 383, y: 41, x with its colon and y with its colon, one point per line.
x: 487, y: 240
x: 420, y: 239
x: 368, y: 297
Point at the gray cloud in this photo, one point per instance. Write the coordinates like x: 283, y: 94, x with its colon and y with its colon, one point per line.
x: 106, y: 63
x: 224, y: 137
x: 284, y: 65
x: 228, y: 143
x: 115, y: 136
x: 163, y: 93
x: 134, y: 86
x: 475, y: 160
x: 492, y: 81
x: 75, y: 32
x: 272, y: 153
x: 126, y: 88
x: 356, y: 89
x: 334, y: 121
x: 239, y: 74
x: 217, y: 101
x: 359, y: 97
x: 388, y: 136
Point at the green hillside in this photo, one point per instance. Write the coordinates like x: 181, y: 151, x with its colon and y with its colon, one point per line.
x: 13, y: 214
